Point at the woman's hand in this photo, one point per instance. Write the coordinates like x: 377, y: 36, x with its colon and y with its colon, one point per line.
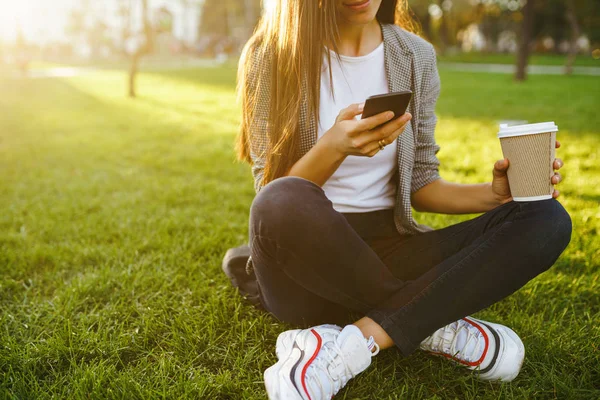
x: 500, y: 188
x: 349, y: 136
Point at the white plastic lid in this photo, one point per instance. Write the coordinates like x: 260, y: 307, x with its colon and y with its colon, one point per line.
x: 529, y: 129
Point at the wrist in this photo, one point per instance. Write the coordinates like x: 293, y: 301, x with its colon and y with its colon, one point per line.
x: 330, y: 150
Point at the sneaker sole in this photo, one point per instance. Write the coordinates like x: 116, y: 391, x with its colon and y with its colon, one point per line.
x: 284, y: 380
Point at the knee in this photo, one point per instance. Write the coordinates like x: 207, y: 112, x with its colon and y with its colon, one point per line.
x: 282, y: 199
x: 552, y: 230
x: 564, y: 226
x: 558, y: 221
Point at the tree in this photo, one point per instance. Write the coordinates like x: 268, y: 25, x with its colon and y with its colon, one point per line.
x: 142, y: 47
x: 420, y: 12
x: 575, y: 33
x: 23, y: 52
x: 524, y: 44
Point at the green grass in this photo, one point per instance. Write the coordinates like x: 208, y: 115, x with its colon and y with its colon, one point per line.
x: 582, y: 60
x: 116, y: 214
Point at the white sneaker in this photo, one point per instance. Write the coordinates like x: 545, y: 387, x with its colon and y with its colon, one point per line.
x: 318, y: 362
x: 285, y: 340
x: 493, y: 350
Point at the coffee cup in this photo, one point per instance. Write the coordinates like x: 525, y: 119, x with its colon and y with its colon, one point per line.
x: 530, y: 150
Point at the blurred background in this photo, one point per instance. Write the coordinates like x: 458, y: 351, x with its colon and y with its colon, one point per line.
x: 39, y: 33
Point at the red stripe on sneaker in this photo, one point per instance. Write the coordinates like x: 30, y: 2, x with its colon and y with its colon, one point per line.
x: 485, y: 336
x: 485, y: 349
x: 312, y: 358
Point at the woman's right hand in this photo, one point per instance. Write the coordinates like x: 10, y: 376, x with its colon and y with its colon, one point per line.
x: 349, y: 136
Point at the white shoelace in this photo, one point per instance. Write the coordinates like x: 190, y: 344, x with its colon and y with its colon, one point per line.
x: 331, y: 365
x: 446, y: 340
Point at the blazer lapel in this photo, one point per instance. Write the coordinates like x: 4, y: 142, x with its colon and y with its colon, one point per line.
x: 398, y: 61
x: 399, y: 71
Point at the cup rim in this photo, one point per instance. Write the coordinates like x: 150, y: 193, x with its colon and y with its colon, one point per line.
x: 527, y: 129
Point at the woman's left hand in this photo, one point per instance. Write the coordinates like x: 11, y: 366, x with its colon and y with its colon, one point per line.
x: 500, y: 188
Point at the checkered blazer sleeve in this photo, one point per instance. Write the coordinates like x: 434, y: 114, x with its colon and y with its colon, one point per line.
x: 426, y: 164
x: 258, y: 127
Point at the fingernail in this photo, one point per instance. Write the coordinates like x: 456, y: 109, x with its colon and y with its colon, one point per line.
x: 361, y: 106
x: 390, y: 115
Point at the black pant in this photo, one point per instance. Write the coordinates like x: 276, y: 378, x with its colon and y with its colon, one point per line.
x: 315, y: 265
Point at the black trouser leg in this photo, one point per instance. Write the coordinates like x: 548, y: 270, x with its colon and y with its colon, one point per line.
x: 311, y: 262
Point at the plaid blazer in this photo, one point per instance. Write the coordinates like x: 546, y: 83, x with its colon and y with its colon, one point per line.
x: 410, y: 63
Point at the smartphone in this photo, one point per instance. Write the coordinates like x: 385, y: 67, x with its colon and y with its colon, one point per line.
x: 396, y: 102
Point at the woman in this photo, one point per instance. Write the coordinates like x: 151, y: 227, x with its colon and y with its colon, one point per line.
x: 331, y: 229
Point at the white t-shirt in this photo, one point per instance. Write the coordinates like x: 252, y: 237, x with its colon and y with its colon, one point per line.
x: 360, y: 184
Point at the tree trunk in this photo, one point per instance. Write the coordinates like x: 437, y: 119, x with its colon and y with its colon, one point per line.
x: 575, y: 32
x: 143, y: 49
x: 524, y: 45
x: 426, y: 26
x: 133, y: 69
x: 444, y: 40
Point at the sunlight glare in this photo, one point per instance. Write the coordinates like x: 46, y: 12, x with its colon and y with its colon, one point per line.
x: 38, y: 20
x: 269, y: 5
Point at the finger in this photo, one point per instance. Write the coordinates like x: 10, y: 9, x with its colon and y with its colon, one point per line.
x: 387, y: 132
x: 350, y: 112
x: 556, y: 178
x: 390, y: 139
x: 557, y: 145
x: 371, y: 149
x: 500, y: 167
x: 372, y: 153
x: 391, y: 127
x: 394, y: 135
x: 558, y: 163
x: 374, y: 121
x: 555, y: 194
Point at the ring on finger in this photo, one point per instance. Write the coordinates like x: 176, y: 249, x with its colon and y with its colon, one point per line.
x: 382, y: 144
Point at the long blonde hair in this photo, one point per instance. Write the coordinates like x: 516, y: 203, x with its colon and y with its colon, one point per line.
x: 289, y: 40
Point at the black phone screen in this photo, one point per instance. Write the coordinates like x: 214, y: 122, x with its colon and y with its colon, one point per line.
x: 396, y: 102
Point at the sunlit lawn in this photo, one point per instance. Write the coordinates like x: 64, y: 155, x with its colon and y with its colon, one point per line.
x: 582, y: 60
x: 116, y: 214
